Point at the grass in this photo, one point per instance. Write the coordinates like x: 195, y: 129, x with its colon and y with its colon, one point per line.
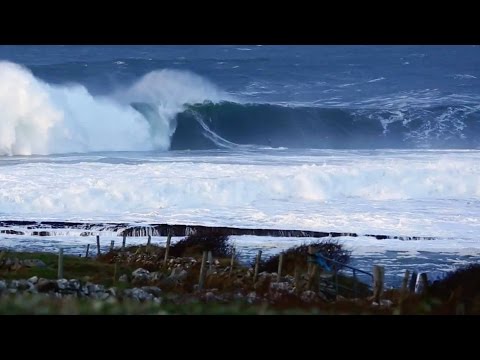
x: 86, y: 269
x: 458, y: 293
x: 196, y: 244
x: 297, y: 256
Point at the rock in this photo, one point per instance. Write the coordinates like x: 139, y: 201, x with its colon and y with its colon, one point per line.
x: 112, y: 291
x: 155, y: 291
x: 33, y: 280
x: 34, y: 263
x: 40, y: 233
x: 308, y: 296
x: 237, y: 296
x: 3, y: 285
x: 45, y: 285
x: 62, y: 284
x: 251, y: 297
x: 16, y: 265
x: 74, y: 284
x: 238, y: 282
x: 94, y: 288
x: 24, y: 285
x: 210, y: 296
x: 139, y: 294
x: 141, y: 274
x: 157, y: 300
x: 280, y: 286
x: 216, y: 262
x: 123, y: 278
x: 11, y: 232
x: 323, y: 296
x: 386, y: 303
x: 104, y: 296
x: 12, y: 291
x: 262, y: 283
x: 13, y: 284
x: 9, y: 262
x: 178, y: 274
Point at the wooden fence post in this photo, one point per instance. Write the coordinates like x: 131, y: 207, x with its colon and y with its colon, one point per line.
x: 232, y: 262
x: 60, y: 264
x: 405, y: 282
x: 257, y: 265
x: 413, y: 282
x: 201, y: 280
x: 280, y: 264
x: 98, y: 244
x: 210, y: 262
x: 422, y: 284
x: 167, y: 248
x: 378, y: 279
x: 124, y: 242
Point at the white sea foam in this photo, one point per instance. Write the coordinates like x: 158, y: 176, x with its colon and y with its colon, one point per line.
x: 417, y: 193
x: 40, y: 118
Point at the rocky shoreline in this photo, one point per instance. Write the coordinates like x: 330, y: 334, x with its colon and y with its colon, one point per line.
x: 138, y: 280
x: 129, y: 229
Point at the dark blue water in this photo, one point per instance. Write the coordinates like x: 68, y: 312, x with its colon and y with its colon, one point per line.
x: 294, y: 96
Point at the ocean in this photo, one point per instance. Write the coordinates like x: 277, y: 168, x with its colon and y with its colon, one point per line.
x: 354, y: 139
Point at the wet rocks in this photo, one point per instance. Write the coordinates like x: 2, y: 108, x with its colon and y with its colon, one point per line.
x: 41, y: 233
x: 12, y: 232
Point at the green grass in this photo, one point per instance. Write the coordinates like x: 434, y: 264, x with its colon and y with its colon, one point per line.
x: 87, y: 269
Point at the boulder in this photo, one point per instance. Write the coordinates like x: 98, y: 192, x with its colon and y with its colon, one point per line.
x: 62, y: 284
x: 74, y: 284
x: 24, y: 285
x: 155, y: 291
x: 33, y: 280
x: 178, y: 274
x: 33, y: 263
x: 141, y: 274
x: 308, y: 296
x: 45, y: 285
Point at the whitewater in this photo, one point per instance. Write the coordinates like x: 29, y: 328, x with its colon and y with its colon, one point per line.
x: 39, y: 118
x: 224, y: 137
